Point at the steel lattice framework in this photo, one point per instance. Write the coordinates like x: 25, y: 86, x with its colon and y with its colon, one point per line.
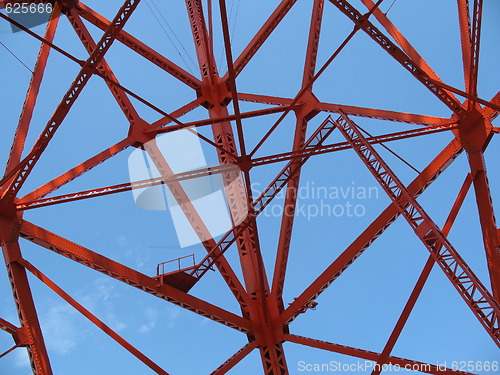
x: 264, y: 319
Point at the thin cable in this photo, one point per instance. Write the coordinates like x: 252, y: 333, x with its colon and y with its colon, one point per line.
x: 392, y: 152
x: 168, y: 36
x: 235, y: 19
x: 309, y: 84
x: 17, y: 58
x: 387, y: 11
x: 233, y: 26
x: 175, y: 36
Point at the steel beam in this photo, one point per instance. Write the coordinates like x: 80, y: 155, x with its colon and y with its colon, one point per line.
x: 303, y: 115
x: 234, y: 359
x: 475, y: 42
x: 401, y: 57
x: 122, y: 273
x: 373, y: 356
x: 88, y: 42
x: 487, y: 219
x: 265, y: 31
x: 419, y: 286
x: 22, y: 205
x: 470, y: 288
x: 32, y: 333
x: 380, y: 114
x: 370, y: 234
x: 96, y: 321
x: 403, y: 42
x: 142, y: 49
x: 465, y: 39
x: 21, y: 172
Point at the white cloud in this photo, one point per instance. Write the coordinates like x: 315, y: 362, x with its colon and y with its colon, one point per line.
x: 151, y: 320
x: 60, y: 328
x: 121, y: 240
x: 100, y: 301
x: 173, y: 315
x: 20, y: 358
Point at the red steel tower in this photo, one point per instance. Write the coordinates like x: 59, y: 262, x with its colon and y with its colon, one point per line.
x: 264, y: 316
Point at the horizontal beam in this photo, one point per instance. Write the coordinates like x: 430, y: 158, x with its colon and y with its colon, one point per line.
x: 99, y: 192
x: 120, y: 272
x: 8, y: 327
x: 77, y: 171
x: 373, y: 356
x: 345, y: 145
x: 380, y: 114
x: 261, y: 36
x: 212, y: 121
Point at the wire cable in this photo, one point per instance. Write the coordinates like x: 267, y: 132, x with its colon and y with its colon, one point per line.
x: 167, y: 34
x: 392, y: 152
x: 17, y: 58
x: 388, y: 9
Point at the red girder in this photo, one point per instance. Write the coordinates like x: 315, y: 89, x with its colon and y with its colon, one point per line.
x: 22, y: 171
x: 380, y: 114
x: 403, y: 42
x: 216, y: 120
x: 262, y: 35
x: 319, y: 149
x: 97, y: 322
x: 412, y: 300
x: 273, y: 360
x: 32, y: 93
x: 372, y: 356
x: 470, y: 288
x: 487, y: 219
x: 148, y: 53
x: 465, y: 38
x: 129, y: 276
x: 370, y: 234
x: 303, y: 115
x: 77, y: 171
x: 474, y: 48
x: 401, y: 57
x: 33, y: 337
x: 234, y: 359
x: 489, y: 112
x: 27, y: 205
x: 8, y: 327
x: 90, y: 45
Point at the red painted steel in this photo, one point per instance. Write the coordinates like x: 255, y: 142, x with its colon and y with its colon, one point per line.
x: 264, y: 317
x: 474, y: 293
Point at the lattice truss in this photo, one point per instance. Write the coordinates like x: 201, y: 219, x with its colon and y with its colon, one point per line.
x: 264, y: 317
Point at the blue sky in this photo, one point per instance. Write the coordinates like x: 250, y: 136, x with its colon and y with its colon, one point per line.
x: 362, y: 306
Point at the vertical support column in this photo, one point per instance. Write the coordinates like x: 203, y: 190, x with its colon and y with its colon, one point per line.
x: 303, y: 115
x: 487, y: 219
x: 32, y: 93
x: 24, y: 300
x: 263, y: 314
